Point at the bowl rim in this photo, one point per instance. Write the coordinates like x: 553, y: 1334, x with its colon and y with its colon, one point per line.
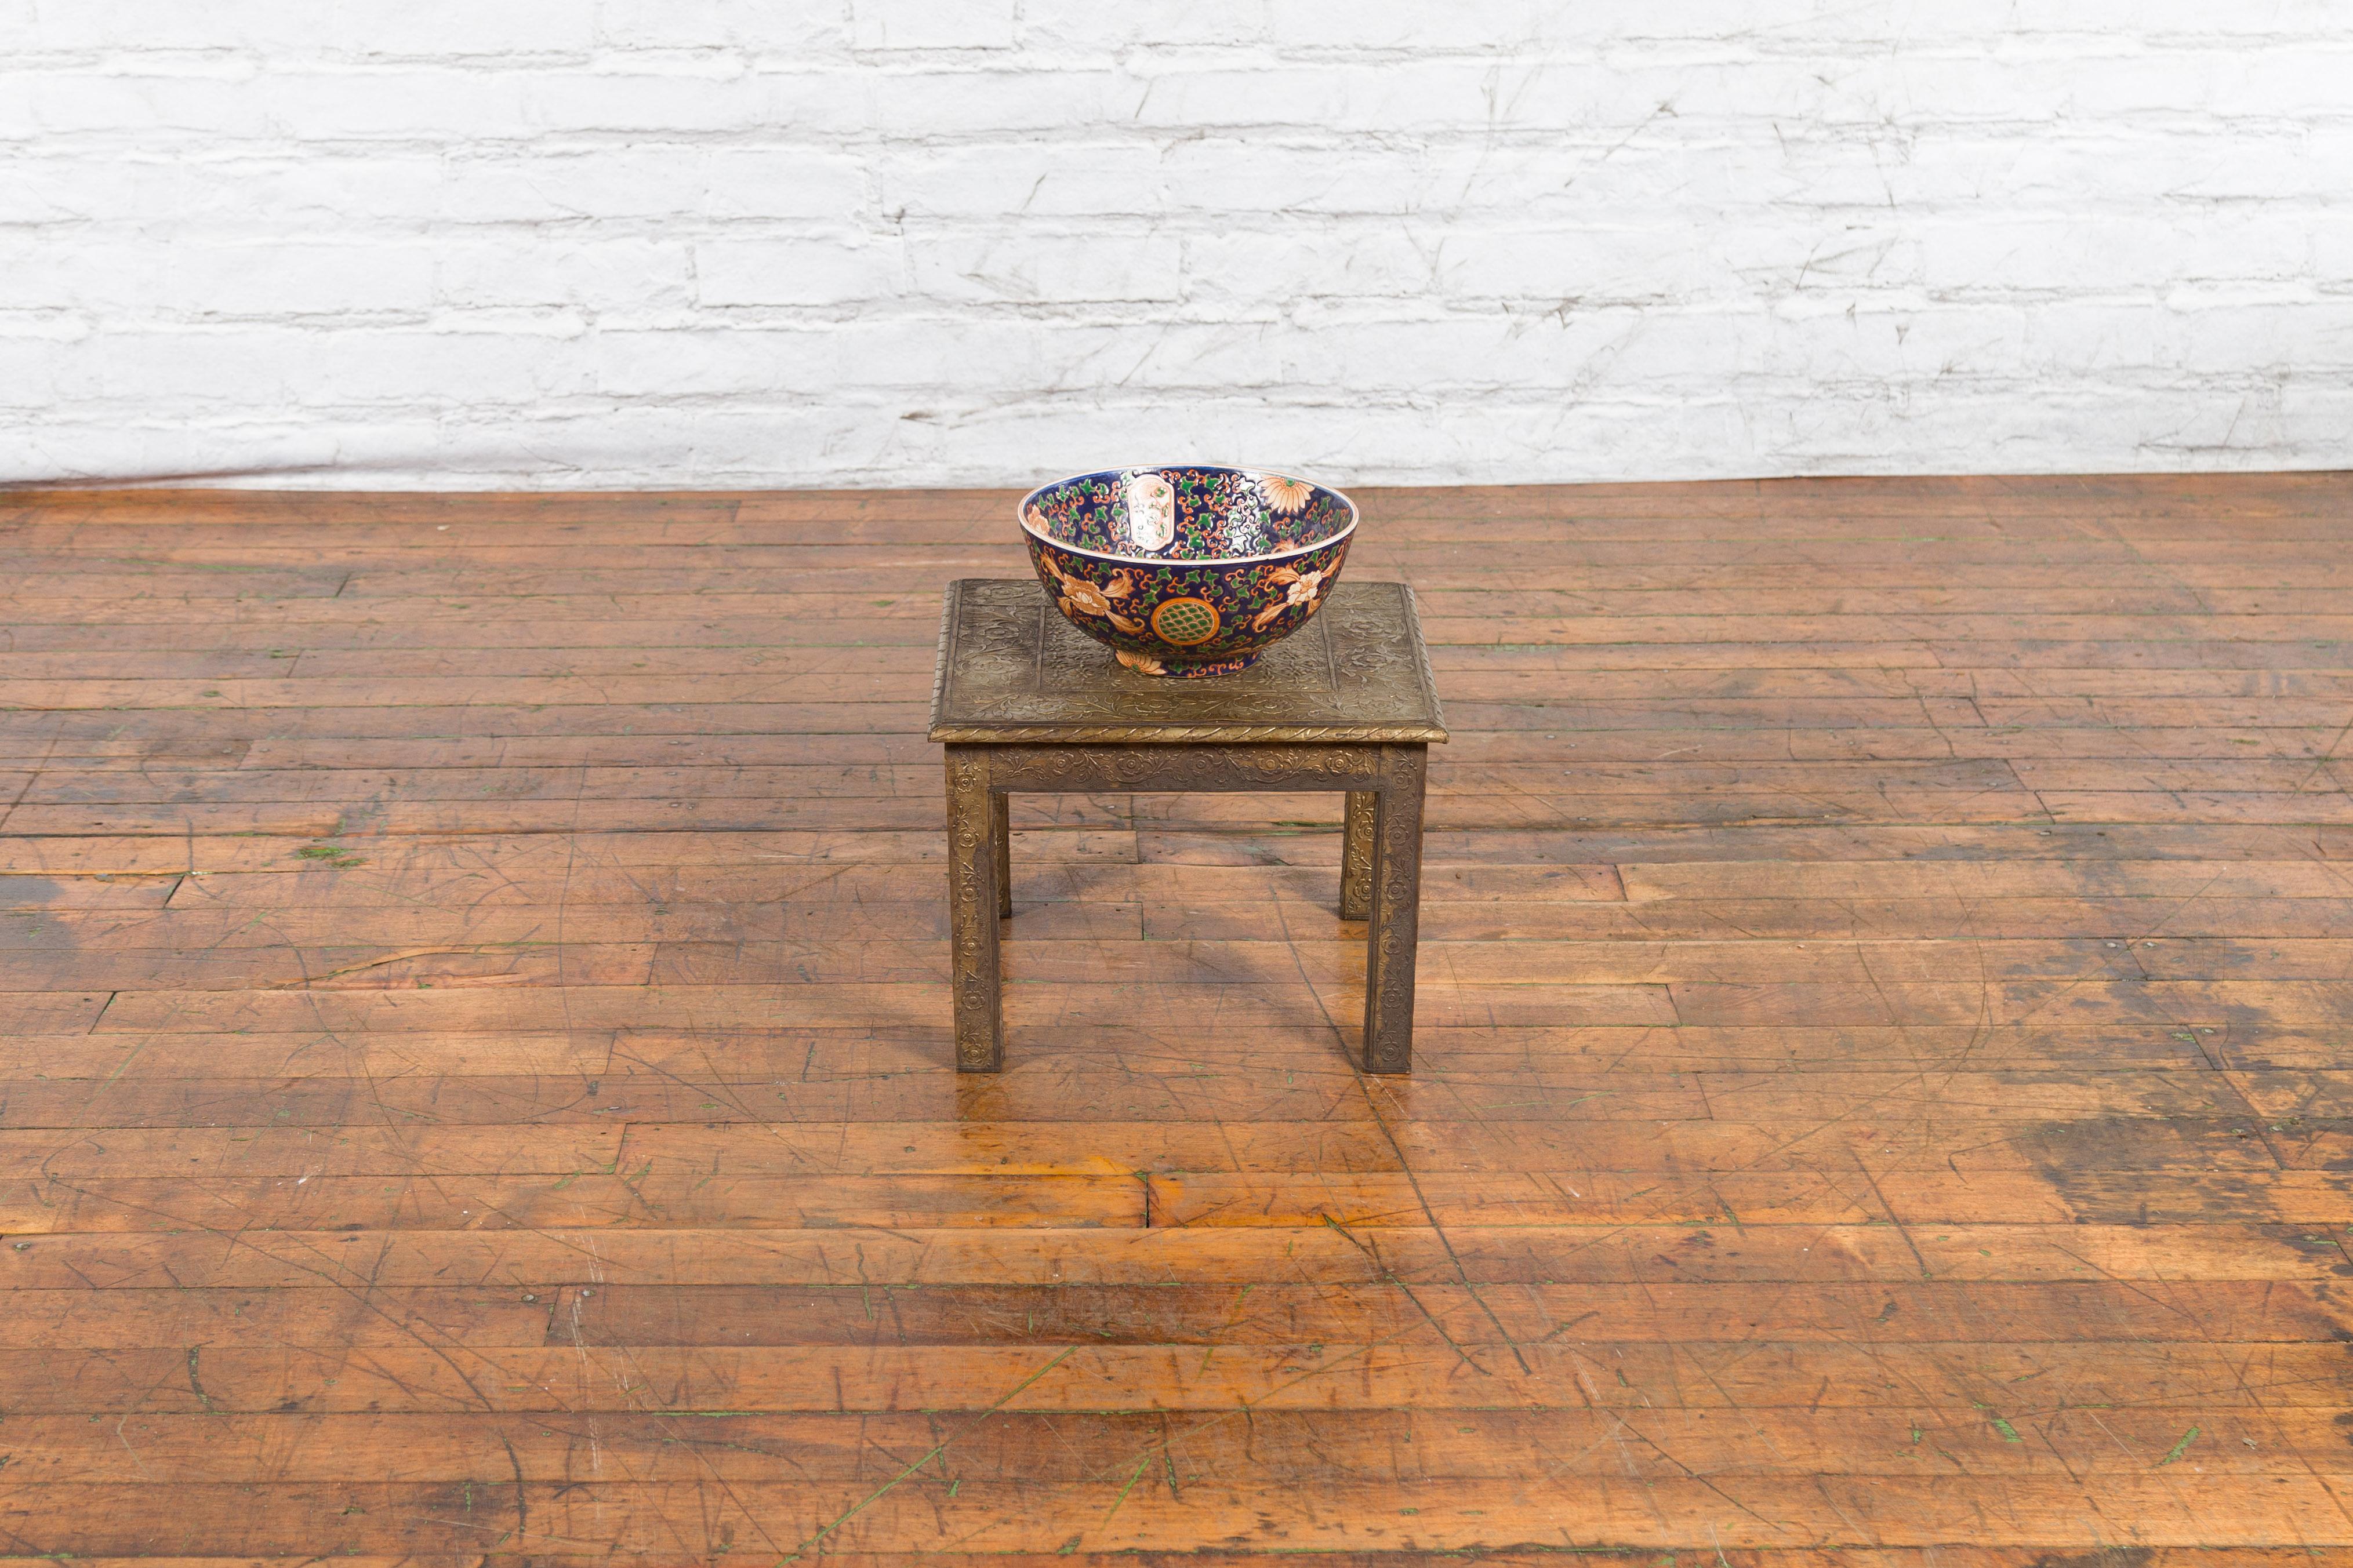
x: 1021, y: 515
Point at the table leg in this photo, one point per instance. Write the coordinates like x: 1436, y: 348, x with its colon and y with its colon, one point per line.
x: 975, y: 877
x: 1000, y: 824
x: 1357, y: 858
x: 1397, y: 909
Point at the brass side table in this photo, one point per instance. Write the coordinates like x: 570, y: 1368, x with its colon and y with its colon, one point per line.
x: 1024, y: 702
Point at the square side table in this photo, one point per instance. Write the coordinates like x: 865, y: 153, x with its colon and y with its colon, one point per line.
x: 1023, y: 701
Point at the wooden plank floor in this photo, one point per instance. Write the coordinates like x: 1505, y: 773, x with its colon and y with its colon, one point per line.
x: 474, y: 1056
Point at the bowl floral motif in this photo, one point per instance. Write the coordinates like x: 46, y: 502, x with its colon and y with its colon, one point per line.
x: 1189, y: 569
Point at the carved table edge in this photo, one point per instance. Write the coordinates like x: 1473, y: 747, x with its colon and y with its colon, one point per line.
x: 949, y: 599
x: 1421, y: 657
x: 1185, y: 734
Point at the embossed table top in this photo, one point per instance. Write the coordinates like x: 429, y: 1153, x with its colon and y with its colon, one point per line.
x: 1013, y: 670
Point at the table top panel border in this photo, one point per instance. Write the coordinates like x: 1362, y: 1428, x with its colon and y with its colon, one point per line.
x: 1401, y: 731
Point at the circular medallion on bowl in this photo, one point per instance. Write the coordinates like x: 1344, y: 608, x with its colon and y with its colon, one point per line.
x: 1182, y: 623
x: 1188, y: 569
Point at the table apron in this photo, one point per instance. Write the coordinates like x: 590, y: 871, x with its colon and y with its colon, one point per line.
x: 1047, y: 769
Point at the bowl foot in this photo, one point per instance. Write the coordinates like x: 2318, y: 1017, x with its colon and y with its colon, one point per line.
x: 1170, y: 667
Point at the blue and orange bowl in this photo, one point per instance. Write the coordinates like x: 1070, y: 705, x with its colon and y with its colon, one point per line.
x: 1188, y: 569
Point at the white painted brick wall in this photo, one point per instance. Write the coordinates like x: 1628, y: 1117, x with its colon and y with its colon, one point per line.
x: 785, y: 242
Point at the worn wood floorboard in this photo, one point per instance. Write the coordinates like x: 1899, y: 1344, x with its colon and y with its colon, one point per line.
x: 475, y: 1073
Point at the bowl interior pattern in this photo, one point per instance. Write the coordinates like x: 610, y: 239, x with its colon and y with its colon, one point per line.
x: 1186, y: 512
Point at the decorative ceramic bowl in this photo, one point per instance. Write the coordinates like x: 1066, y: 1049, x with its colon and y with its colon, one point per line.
x: 1190, y: 569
